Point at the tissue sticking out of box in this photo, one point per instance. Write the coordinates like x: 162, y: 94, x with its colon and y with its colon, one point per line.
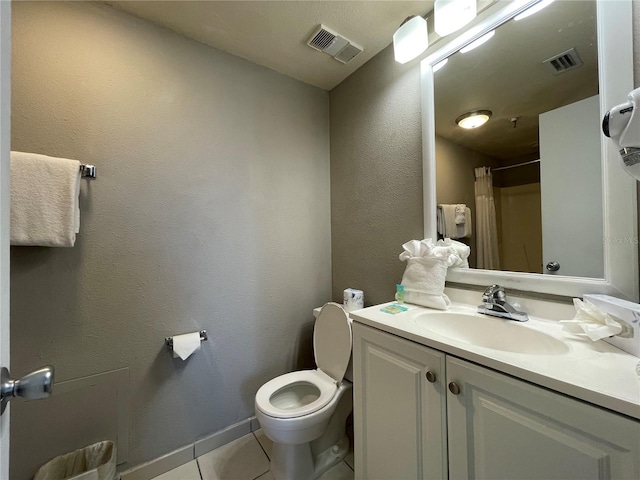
x: 624, y: 312
x: 591, y: 321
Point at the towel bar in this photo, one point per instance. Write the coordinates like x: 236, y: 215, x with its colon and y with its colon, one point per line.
x: 169, y: 340
x: 88, y: 171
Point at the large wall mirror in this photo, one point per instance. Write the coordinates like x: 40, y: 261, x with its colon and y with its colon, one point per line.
x: 549, y: 208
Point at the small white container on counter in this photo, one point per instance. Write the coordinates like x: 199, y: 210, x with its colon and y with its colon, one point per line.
x: 353, y: 299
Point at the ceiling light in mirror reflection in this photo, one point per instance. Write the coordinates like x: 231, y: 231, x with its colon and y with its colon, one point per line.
x: 534, y: 9
x: 452, y: 15
x: 475, y: 119
x: 410, y: 40
x: 481, y: 41
x: 508, y: 77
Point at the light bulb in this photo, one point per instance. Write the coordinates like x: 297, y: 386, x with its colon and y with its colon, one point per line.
x: 410, y: 40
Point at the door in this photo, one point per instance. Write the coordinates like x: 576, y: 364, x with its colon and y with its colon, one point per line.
x: 5, y: 118
x: 572, y: 231
x: 399, y: 412
x: 501, y: 428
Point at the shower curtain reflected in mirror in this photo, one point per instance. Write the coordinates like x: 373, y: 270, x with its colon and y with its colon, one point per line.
x: 486, y: 227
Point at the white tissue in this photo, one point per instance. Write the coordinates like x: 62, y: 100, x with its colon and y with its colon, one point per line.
x: 353, y: 299
x: 591, y: 321
x: 184, y: 345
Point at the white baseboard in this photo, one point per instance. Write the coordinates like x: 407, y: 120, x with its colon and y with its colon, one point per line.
x: 222, y: 437
x: 185, y: 454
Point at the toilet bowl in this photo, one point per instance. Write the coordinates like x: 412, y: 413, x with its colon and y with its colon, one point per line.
x: 304, y: 413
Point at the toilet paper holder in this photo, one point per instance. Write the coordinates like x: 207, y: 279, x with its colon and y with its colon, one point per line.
x: 169, y: 340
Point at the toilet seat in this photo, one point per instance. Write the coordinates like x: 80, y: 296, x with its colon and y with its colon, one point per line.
x: 296, y: 394
x: 301, y: 393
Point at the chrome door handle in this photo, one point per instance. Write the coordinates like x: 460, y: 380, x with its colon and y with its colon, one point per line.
x: 34, y: 385
x: 553, y: 266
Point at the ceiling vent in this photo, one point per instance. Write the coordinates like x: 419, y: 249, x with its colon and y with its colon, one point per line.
x: 329, y: 42
x: 563, y: 62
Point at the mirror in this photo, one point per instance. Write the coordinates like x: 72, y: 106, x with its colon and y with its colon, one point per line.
x: 537, y: 70
x: 557, y: 183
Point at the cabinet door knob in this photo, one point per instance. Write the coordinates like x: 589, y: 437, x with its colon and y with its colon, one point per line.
x: 431, y: 377
x: 454, y: 388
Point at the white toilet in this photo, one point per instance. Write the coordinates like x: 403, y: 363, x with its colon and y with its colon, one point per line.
x: 304, y: 413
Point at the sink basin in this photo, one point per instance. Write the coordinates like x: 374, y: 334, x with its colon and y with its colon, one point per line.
x: 490, y: 332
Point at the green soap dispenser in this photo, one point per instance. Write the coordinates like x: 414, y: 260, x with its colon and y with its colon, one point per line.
x: 400, y: 293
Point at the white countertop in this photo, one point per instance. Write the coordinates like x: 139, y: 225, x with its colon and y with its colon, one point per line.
x: 595, y: 372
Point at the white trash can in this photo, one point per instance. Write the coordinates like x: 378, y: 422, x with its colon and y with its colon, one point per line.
x: 93, y: 462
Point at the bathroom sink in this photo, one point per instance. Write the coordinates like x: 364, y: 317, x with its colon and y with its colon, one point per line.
x: 490, y: 332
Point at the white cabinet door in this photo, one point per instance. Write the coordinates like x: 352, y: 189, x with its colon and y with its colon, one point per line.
x: 503, y: 428
x: 399, y: 415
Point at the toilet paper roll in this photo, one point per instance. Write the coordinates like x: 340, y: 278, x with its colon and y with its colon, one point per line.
x: 353, y: 299
x: 184, y: 345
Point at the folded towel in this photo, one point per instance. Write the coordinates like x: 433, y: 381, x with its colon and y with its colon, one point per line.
x: 466, y: 231
x: 446, y: 222
x: 460, y: 212
x: 425, y: 274
x: 44, y: 200
x: 458, y: 252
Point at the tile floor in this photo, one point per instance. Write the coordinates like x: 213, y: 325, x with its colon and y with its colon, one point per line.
x: 246, y: 458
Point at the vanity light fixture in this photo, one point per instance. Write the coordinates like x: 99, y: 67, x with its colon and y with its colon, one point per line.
x: 452, y: 15
x: 474, y: 119
x: 533, y: 9
x: 476, y: 43
x: 411, y: 39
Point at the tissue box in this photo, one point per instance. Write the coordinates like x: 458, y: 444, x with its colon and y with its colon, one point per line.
x: 624, y: 310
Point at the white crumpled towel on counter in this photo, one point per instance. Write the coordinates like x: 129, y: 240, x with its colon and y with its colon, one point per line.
x: 591, y: 321
x: 458, y: 252
x: 425, y: 273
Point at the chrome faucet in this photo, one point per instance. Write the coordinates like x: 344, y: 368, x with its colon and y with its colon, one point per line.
x: 494, y: 303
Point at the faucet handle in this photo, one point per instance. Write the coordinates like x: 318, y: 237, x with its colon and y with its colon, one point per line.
x: 494, y: 294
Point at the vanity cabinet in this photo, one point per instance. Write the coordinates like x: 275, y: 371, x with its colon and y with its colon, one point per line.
x: 473, y: 422
x: 399, y: 416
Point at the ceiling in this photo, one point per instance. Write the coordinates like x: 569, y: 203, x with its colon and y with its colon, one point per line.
x: 274, y: 33
x: 505, y: 75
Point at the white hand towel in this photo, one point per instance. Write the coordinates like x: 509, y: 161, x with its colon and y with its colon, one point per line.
x: 448, y: 220
x: 464, y: 230
x: 461, y: 210
x: 44, y: 200
x: 425, y: 274
x: 447, y: 225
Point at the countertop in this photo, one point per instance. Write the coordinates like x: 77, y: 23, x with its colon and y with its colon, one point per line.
x: 595, y: 372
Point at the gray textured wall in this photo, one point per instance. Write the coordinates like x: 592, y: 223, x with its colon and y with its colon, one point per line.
x: 211, y: 210
x: 376, y: 175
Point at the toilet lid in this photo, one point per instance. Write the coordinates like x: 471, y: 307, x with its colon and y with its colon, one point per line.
x: 332, y: 341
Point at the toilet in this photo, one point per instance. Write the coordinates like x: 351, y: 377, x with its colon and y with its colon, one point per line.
x: 304, y: 413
